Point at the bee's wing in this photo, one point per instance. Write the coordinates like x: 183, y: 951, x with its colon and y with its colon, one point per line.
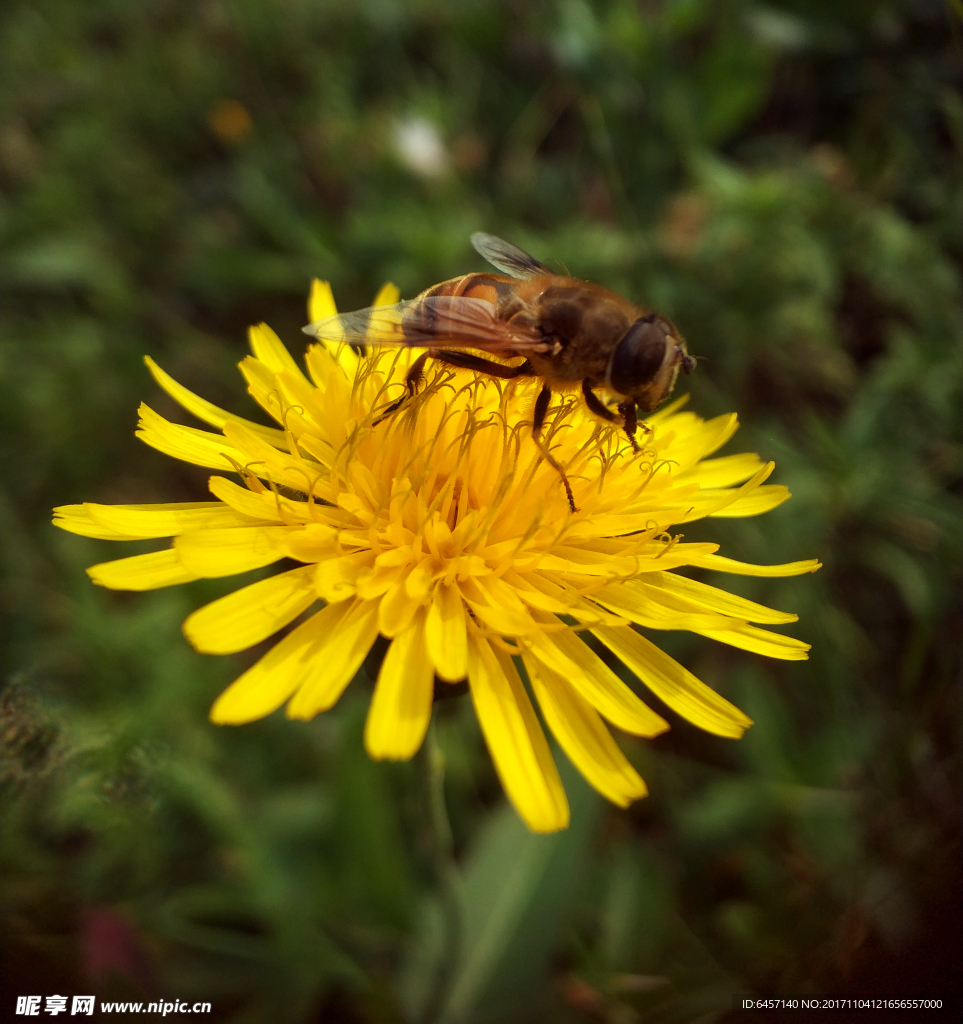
x: 453, y: 321
x: 507, y: 257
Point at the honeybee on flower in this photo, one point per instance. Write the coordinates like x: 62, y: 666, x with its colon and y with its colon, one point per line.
x: 443, y: 529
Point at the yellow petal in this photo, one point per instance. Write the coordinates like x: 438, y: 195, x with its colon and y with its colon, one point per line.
x: 515, y: 739
x: 214, y: 553
x: 147, y: 521
x: 582, y: 734
x: 387, y: 296
x: 335, y: 660
x: 76, y: 519
x: 322, y: 359
x: 251, y: 614
x: 396, y: 610
x: 713, y: 502
x: 142, y: 572
x: 139, y: 522
x: 445, y: 635
x: 689, y: 596
x: 378, y: 580
x: 540, y: 593
x: 507, y: 616
x: 566, y: 655
x: 568, y: 558
x: 401, y: 706
x: 707, y: 560
x: 320, y: 301
x: 270, y: 350
x: 545, y: 595
x: 673, y: 684
x: 693, y: 438
x: 207, y: 412
x: 762, y: 499
x: 265, y: 505
x: 312, y: 542
x: 336, y: 579
x: 419, y: 580
x: 724, y: 472
x: 188, y: 444
x: 288, y: 398
x: 268, y: 683
x: 662, y: 557
x: 760, y: 641
x: 647, y: 607
x: 294, y: 471
x: 320, y: 307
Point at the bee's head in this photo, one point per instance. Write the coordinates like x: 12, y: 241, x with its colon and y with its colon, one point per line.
x: 647, y: 360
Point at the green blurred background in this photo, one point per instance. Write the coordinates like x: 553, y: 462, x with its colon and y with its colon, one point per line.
x: 782, y: 179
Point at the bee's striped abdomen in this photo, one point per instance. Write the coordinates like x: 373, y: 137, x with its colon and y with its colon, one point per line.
x: 492, y: 288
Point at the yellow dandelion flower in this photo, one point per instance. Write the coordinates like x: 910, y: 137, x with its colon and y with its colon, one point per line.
x: 442, y: 529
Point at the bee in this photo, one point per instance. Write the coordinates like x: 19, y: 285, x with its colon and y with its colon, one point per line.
x: 567, y: 332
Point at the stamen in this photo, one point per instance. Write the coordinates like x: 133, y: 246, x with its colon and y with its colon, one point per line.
x: 673, y: 540
x: 286, y: 411
x: 249, y: 478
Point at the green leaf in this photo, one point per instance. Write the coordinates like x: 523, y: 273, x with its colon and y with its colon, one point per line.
x: 517, y: 890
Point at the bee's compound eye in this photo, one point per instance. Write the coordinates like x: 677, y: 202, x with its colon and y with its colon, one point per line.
x: 638, y: 356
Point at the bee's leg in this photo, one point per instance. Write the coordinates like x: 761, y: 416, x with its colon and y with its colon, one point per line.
x: 461, y: 360
x: 541, y: 407
x: 630, y: 423
x: 413, y: 378
x: 467, y: 361
x: 597, y: 406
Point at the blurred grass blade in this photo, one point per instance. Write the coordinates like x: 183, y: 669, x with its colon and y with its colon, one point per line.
x: 517, y: 889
